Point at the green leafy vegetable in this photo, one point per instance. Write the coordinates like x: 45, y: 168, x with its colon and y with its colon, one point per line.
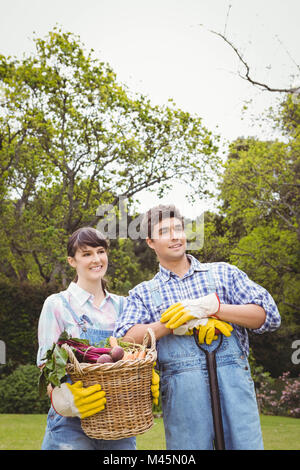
x: 54, y: 369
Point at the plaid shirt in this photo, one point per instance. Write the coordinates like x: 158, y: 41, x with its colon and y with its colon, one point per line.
x: 232, y: 286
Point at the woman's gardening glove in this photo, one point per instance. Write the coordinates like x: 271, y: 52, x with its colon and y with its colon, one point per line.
x: 189, y: 309
x: 155, y: 386
x: 207, y: 333
x: 74, y: 400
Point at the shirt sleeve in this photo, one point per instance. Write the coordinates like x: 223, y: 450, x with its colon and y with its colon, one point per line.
x: 49, y: 327
x: 246, y: 291
x: 134, y: 312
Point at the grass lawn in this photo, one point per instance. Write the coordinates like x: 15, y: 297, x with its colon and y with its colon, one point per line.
x: 25, y: 432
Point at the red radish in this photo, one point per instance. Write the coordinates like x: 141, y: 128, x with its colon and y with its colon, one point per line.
x: 117, y: 353
x: 84, y: 352
x: 104, y: 358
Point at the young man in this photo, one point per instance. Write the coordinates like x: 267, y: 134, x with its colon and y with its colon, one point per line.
x: 182, y: 295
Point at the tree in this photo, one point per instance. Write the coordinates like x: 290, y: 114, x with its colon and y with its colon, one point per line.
x: 73, y: 139
x: 260, y: 199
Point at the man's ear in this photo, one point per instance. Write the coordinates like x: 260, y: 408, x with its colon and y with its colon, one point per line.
x: 71, y: 261
x: 149, y: 242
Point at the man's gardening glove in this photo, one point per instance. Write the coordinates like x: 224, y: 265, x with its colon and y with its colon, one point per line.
x: 189, y: 309
x: 72, y: 400
x: 187, y: 328
x: 207, y: 333
x: 155, y: 386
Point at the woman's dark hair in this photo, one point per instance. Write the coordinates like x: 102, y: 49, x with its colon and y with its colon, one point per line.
x: 87, y: 236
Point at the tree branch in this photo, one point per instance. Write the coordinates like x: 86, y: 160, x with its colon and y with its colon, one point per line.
x: 247, y: 76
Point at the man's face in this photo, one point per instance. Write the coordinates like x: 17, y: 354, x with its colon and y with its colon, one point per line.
x: 168, y: 239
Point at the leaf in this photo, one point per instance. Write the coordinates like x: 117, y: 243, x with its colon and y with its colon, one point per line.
x: 55, y: 368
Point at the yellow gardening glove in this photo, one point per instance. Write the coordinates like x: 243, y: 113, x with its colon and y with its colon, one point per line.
x: 155, y: 386
x: 207, y: 333
x: 189, y: 309
x: 74, y: 400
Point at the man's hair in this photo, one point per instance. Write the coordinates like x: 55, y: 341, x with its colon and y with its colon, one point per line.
x: 157, y: 214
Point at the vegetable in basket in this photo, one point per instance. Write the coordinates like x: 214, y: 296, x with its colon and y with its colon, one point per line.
x: 54, y: 370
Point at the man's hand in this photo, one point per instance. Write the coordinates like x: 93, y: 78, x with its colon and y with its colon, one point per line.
x: 189, y: 309
x: 187, y: 328
x: 75, y: 401
x: 207, y: 333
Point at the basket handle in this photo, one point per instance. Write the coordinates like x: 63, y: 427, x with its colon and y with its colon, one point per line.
x: 149, y: 334
x: 72, y: 358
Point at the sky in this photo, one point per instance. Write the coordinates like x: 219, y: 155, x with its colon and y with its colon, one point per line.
x: 165, y: 49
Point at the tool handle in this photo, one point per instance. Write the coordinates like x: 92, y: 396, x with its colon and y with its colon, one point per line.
x: 215, y: 400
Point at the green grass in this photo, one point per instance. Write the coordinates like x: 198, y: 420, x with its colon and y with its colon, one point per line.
x: 25, y: 432
x: 280, y: 433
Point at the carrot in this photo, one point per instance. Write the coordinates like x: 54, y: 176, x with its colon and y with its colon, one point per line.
x: 126, y: 356
x: 113, y: 341
x: 131, y: 356
x: 135, y: 354
x: 142, y: 354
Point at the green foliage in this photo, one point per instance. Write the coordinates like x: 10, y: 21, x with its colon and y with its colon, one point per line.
x: 275, y: 396
x: 257, y: 228
x: 54, y: 370
x: 130, y: 262
x: 73, y: 139
x: 261, y: 199
x: 20, y: 308
x: 19, y: 392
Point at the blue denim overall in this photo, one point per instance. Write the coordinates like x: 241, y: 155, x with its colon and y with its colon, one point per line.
x: 185, y: 392
x: 66, y: 433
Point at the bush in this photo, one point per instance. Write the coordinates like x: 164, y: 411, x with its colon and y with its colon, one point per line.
x: 290, y: 395
x: 19, y: 392
x: 278, y: 397
x: 20, y: 309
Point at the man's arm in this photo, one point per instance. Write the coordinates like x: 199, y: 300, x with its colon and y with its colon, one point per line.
x: 249, y: 316
x: 253, y: 306
x: 135, y: 319
x: 137, y: 332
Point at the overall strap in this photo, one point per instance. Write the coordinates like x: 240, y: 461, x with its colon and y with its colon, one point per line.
x: 155, y: 292
x: 211, y: 282
x: 80, y: 321
x: 118, y: 304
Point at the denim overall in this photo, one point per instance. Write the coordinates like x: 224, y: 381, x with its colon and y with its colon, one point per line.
x: 66, y: 433
x: 185, y: 392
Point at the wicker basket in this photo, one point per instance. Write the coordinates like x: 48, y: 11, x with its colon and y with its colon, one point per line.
x: 128, y: 410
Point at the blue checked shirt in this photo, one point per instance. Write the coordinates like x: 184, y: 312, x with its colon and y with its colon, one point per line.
x: 232, y: 285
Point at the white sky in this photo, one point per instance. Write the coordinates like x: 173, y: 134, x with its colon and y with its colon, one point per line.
x: 157, y: 47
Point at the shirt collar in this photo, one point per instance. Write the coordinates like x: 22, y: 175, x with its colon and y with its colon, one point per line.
x: 81, y: 295
x: 195, y: 265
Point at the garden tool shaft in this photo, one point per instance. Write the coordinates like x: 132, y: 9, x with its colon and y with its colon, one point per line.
x: 214, y: 391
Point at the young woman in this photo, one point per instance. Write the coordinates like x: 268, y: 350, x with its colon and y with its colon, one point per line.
x: 85, y: 310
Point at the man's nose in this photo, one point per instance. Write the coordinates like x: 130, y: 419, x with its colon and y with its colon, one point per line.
x: 173, y: 234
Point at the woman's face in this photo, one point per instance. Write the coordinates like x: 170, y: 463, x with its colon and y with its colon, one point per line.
x: 90, y: 263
